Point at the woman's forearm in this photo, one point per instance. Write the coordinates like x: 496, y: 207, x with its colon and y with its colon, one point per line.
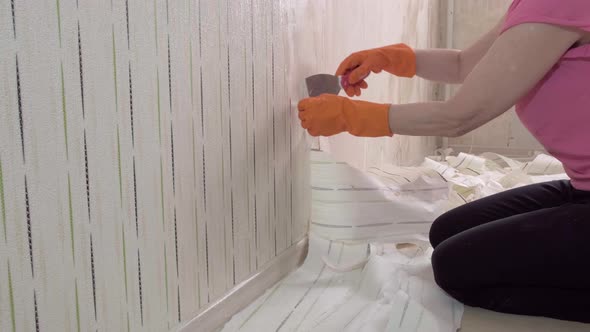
x: 439, y: 65
x: 426, y: 119
x: 524, y: 54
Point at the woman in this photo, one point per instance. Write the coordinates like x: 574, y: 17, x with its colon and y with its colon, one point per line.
x: 525, y: 251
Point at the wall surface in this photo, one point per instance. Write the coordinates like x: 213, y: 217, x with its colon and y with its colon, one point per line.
x: 150, y: 159
x: 506, y: 134
x: 150, y: 153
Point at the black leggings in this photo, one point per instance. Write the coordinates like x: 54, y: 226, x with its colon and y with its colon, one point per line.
x: 525, y: 251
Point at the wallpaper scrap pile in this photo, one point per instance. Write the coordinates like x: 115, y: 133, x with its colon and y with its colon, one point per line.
x: 366, y: 217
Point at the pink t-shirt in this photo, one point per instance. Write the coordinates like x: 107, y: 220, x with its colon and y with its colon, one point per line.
x: 557, y: 110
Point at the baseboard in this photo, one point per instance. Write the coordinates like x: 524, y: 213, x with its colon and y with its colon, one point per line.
x: 221, y: 311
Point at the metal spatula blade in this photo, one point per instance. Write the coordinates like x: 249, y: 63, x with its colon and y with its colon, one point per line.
x: 323, y: 83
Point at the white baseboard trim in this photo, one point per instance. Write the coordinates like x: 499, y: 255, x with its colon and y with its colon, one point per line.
x: 221, y: 311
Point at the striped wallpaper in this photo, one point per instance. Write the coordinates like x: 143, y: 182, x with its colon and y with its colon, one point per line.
x: 150, y: 157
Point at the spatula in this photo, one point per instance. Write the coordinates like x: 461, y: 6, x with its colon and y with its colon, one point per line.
x: 326, y: 83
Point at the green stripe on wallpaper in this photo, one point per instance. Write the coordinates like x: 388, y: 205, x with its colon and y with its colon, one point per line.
x: 156, y: 25
x: 11, y: 298
x: 159, y: 106
x: 119, y: 163
x: 63, y: 105
x: 190, y: 50
x: 58, y: 20
x: 114, y: 49
x: 77, y: 307
x: 115, y: 68
x: 71, y: 217
x: 162, y: 194
x: 166, y: 278
x: 2, y: 202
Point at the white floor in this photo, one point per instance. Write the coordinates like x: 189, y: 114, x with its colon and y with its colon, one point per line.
x: 393, y: 290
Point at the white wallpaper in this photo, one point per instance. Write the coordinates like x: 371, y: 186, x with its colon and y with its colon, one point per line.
x: 149, y: 158
x: 150, y: 152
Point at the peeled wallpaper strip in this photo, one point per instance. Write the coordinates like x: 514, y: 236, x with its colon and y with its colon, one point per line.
x: 345, y: 201
x: 502, y: 161
x: 396, y: 290
x: 467, y: 162
x: 544, y: 164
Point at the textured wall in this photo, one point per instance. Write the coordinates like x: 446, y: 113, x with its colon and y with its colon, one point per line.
x: 506, y: 134
x: 149, y: 158
x: 150, y: 154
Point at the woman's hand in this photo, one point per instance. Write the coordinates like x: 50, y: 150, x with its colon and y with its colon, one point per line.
x: 329, y: 115
x: 399, y: 60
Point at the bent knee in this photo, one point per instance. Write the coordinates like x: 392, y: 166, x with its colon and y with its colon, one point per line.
x: 447, y: 267
x: 440, y: 268
x: 442, y: 228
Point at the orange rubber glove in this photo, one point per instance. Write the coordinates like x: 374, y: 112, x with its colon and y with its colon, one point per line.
x: 398, y: 60
x: 329, y: 115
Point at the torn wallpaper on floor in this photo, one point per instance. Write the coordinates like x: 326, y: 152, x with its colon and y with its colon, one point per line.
x: 392, y: 288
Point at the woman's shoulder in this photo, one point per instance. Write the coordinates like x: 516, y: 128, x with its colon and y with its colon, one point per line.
x: 569, y: 13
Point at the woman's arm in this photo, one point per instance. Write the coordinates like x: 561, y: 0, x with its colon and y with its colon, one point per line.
x: 515, y: 63
x: 453, y: 66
